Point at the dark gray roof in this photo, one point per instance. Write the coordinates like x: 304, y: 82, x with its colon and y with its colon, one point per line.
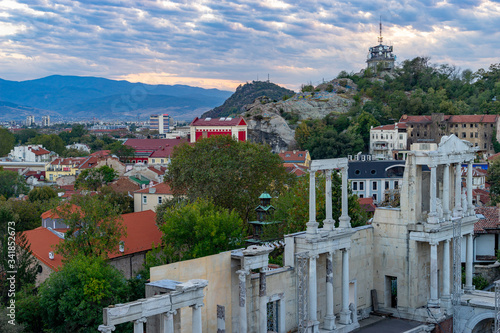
x: 375, y: 169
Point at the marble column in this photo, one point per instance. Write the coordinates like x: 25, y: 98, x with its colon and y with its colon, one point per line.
x: 329, y: 222
x: 196, y: 319
x: 446, y: 298
x: 313, y: 293
x: 433, y: 301
x: 344, y: 220
x: 446, y: 192
x: 457, y: 210
x: 470, y: 208
x: 433, y: 186
x: 106, y: 328
x: 262, y: 301
x: 312, y: 225
x: 469, y: 263
x: 168, y: 321
x: 329, y: 322
x: 345, y: 313
x: 139, y: 325
x: 242, y: 275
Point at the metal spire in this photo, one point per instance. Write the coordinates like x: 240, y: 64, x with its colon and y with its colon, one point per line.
x: 380, y: 38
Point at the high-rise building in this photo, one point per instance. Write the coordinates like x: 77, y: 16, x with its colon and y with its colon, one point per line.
x: 45, y: 121
x: 380, y: 57
x: 160, y: 123
x: 30, y: 120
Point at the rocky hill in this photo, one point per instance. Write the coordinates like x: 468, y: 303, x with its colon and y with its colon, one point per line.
x: 274, y: 123
x: 246, y: 94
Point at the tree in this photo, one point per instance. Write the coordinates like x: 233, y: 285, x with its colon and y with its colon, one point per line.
x: 73, y: 298
x: 120, y: 200
x: 7, y: 141
x: 198, y: 229
x: 122, y: 151
x: 233, y: 174
x: 92, y: 179
x: 42, y: 194
x: 11, y: 183
x: 494, y: 181
x: 94, y: 228
x: 52, y: 142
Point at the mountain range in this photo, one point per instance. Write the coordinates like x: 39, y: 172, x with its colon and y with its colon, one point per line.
x: 83, y: 98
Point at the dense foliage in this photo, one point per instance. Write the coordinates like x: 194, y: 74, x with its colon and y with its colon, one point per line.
x: 11, y: 184
x: 7, y: 141
x: 94, y: 178
x: 233, y: 174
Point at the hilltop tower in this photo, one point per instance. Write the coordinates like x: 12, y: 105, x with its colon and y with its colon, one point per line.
x: 380, y: 57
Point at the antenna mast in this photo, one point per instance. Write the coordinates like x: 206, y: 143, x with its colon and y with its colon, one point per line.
x: 380, y: 38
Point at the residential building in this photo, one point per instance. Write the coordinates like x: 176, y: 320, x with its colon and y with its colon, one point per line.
x: 79, y: 146
x: 128, y: 256
x: 30, y: 120
x: 45, y: 121
x: 149, y: 198
x: 486, y: 232
x: 144, y: 148
x: 206, y: 127
x: 299, y: 157
x: 160, y: 123
x: 387, y: 140
x: 71, y: 166
x: 477, y: 129
x: 162, y: 155
x: 375, y: 179
x: 31, y: 153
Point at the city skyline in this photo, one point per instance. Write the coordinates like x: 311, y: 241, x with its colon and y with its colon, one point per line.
x: 214, y: 44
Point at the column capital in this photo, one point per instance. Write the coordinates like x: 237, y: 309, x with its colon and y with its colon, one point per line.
x: 433, y: 242
x: 171, y: 312
x: 243, y: 272
x: 106, y: 328
x: 313, y: 256
x: 141, y: 320
x: 197, y: 306
x: 433, y: 165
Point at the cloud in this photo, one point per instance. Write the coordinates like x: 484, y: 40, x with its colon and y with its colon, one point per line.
x: 220, y: 43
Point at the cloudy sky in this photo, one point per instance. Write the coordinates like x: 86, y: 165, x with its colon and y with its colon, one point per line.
x: 220, y: 43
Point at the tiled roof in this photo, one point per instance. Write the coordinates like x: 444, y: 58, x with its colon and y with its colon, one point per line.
x: 167, y: 150
x: 484, y: 195
x: 297, y: 170
x: 42, y: 241
x: 101, y: 153
x: 292, y: 156
x: 79, y: 162
x: 480, y: 118
x: 476, y: 172
x: 39, y: 151
x: 52, y: 214
x: 159, y: 171
x: 367, y: 204
x: 493, y: 157
x: 160, y: 188
x: 490, y: 220
x: 389, y: 127
x: 150, y: 144
x: 218, y: 122
x: 124, y: 185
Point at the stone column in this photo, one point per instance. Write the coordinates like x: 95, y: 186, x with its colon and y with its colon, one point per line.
x: 262, y: 301
x: 313, y: 296
x: 329, y: 323
x: 446, y: 298
x: 469, y: 263
x: 457, y: 210
x: 434, y: 301
x: 139, y: 325
x: 242, y: 275
x: 446, y: 192
x: 196, y: 319
x: 345, y: 313
x: 470, y: 208
x: 106, y: 329
x: 344, y: 220
x: 168, y: 321
x: 329, y: 222
x: 433, y: 186
x: 221, y: 319
x: 312, y: 225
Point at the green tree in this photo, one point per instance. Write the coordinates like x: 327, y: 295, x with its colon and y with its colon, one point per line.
x: 73, y: 298
x: 11, y: 183
x: 94, y: 229
x: 25, y: 135
x: 231, y: 173
x: 199, y: 229
x: 122, y: 151
x: 26, y: 213
x: 92, y: 179
x: 42, y: 194
x: 494, y: 181
x: 52, y: 142
x: 7, y: 141
x: 120, y: 200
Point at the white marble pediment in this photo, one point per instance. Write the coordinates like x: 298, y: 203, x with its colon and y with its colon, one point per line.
x: 452, y: 144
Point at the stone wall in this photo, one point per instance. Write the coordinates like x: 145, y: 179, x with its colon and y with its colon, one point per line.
x: 129, y: 265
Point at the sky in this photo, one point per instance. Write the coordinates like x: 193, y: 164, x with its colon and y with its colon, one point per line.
x: 221, y: 44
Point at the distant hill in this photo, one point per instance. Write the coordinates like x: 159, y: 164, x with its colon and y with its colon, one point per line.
x: 87, y: 97
x: 246, y: 94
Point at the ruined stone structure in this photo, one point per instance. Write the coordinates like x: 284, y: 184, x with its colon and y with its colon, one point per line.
x: 331, y: 274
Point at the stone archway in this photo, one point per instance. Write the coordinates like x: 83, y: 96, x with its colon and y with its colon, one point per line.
x: 474, y: 321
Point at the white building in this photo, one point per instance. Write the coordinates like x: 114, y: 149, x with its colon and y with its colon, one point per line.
x: 79, y: 146
x: 160, y: 123
x: 30, y: 153
x: 45, y: 121
x: 30, y: 120
x: 386, y: 140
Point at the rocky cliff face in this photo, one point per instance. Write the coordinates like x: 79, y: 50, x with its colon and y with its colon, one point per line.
x: 274, y: 122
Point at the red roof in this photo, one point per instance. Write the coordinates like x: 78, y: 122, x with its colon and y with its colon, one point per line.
x: 294, y: 156
x: 39, y: 151
x: 159, y: 171
x: 124, y: 185
x: 160, y: 188
x: 494, y: 157
x: 52, y: 214
x: 389, y: 127
x: 142, y: 233
x: 484, y: 195
x: 78, y: 162
x: 238, y: 121
x: 101, y: 153
x: 367, y: 204
x: 166, y: 151
x: 489, y: 222
x: 149, y: 144
x: 476, y: 172
x: 479, y: 118
x: 297, y: 170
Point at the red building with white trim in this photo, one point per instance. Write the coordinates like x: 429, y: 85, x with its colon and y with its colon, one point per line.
x: 206, y: 127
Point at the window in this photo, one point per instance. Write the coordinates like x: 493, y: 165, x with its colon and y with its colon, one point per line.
x: 476, y: 144
x: 464, y: 135
x: 374, y: 186
x: 400, y: 146
x: 357, y: 172
x: 475, y: 125
x: 154, y: 160
x: 464, y: 125
x: 456, y: 134
x: 374, y: 196
x: 354, y: 186
x: 361, y: 186
x: 386, y: 185
x: 476, y: 134
x: 162, y: 161
x: 400, y: 136
x: 51, y: 177
x: 144, y: 199
x: 361, y: 196
x: 471, y: 134
x: 396, y: 184
x: 485, y: 145
x: 159, y: 200
x: 471, y: 125
x: 300, y: 155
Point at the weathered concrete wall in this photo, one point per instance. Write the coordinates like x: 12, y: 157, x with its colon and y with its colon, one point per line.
x: 217, y: 270
x: 129, y: 265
